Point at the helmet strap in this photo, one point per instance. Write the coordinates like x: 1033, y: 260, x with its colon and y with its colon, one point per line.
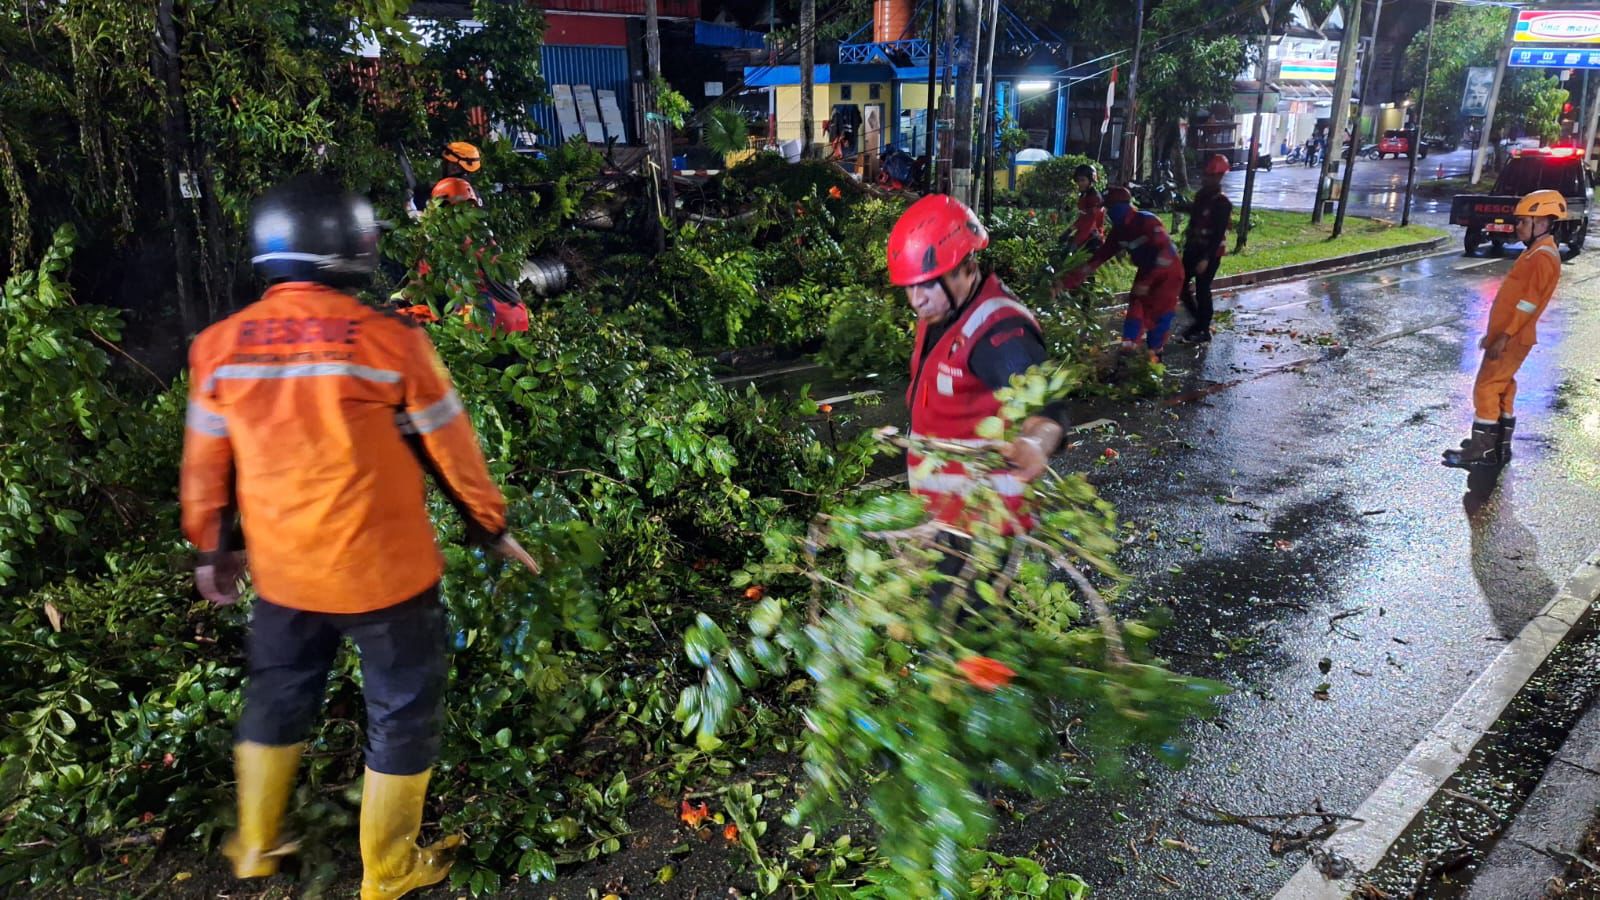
x: 957, y: 307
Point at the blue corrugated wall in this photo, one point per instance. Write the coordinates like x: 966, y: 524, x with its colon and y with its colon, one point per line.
x: 604, y: 68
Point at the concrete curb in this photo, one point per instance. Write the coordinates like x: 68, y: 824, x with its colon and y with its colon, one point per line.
x: 1385, y: 815
x: 1385, y: 254
x: 1403, y: 252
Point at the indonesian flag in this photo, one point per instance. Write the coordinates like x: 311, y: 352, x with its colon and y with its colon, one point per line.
x: 1111, y: 97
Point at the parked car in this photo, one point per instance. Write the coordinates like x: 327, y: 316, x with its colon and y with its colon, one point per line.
x: 1399, y: 143
x: 1492, y: 216
x: 1438, y: 144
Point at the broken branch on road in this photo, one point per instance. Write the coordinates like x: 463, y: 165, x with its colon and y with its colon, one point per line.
x: 1284, y: 839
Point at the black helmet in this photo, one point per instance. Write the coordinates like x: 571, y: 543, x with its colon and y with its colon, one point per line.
x: 311, y: 229
x: 1084, y: 171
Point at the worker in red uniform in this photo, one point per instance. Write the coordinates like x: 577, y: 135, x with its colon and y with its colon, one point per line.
x: 1204, y: 243
x: 1153, y: 300
x: 1087, y: 227
x: 1522, y: 298
x: 973, y: 335
x: 312, y: 420
x: 500, y: 300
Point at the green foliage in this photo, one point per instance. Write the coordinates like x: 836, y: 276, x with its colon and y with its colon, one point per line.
x: 671, y: 106
x: 1465, y: 37
x: 726, y: 130
x: 1048, y: 184
x: 922, y: 706
x: 72, y: 441
x: 118, y: 726
x: 1544, y: 110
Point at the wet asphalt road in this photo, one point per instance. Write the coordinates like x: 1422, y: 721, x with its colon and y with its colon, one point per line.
x: 1377, y: 189
x: 1302, y: 515
x: 1287, y: 508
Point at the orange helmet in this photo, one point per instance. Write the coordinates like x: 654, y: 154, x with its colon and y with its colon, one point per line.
x: 455, y: 190
x: 1217, y: 165
x: 464, y: 155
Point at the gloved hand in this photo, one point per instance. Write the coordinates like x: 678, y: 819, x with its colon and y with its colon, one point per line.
x: 218, y: 577
x: 508, y: 547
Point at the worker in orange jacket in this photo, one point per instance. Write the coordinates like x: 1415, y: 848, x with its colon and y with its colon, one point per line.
x: 311, y: 421
x: 1518, y: 304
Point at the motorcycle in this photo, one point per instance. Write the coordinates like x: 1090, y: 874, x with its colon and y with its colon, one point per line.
x: 1158, y: 194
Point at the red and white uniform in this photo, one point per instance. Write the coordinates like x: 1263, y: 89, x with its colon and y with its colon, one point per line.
x: 948, y: 398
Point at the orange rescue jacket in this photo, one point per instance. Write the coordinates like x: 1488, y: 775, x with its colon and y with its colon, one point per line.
x: 1526, y: 292
x: 313, y: 417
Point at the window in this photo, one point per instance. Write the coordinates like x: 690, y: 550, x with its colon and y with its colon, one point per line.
x: 875, y: 91
x: 844, y: 92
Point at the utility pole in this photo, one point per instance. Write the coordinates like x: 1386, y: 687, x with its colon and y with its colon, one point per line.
x: 1494, y: 96
x: 1422, y: 109
x: 1370, y: 64
x: 660, y: 137
x: 808, y: 76
x: 930, y: 174
x: 966, y: 89
x: 1341, y: 99
x: 1589, y: 132
x: 1255, y: 132
x: 1129, y: 167
x: 989, y: 111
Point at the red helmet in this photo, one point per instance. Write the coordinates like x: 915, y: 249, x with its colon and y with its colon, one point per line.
x: 1218, y: 165
x: 932, y: 237
x: 1118, y: 194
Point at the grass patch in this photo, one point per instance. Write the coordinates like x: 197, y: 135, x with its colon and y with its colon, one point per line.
x: 1287, y: 238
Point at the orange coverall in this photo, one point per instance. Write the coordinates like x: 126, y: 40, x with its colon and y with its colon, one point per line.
x: 315, y: 416
x: 1517, y: 306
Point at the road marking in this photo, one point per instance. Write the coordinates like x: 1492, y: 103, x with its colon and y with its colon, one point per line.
x: 1384, y: 816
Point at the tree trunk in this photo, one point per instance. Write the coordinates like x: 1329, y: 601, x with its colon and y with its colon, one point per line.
x: 660, y: 134
x: 966, y: 87
x: 173, y: 129
x: 808, y: 76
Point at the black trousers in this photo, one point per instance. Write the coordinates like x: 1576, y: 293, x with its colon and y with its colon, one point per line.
x: 1196, y: 294
x: 403, y: 672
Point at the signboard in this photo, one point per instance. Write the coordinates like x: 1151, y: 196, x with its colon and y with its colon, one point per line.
x: 1475, y: 98
x: 1558, y: 26
x: 1308, y: 70
x: 1555, y: 57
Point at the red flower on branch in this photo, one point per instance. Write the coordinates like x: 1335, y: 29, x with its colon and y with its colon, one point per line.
x: 986, y: 673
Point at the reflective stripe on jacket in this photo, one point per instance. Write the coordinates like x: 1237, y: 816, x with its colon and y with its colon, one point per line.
x: 314, y: 417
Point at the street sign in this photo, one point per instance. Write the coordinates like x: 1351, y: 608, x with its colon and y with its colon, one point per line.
x: 1558, y: 26
x: 1475, y: 98
x: 1555, y: 57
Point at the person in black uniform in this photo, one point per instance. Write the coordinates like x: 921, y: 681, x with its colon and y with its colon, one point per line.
x: 1204, y: 243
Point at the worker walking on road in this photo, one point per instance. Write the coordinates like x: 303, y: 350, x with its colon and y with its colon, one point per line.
x: 1518, y: 304
x: 1153, y: 300
x: 973, y: 335
x: 1204, y: 243
x: 311, y: 421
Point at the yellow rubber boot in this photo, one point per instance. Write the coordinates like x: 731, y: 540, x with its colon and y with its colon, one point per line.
x: 391, y: 816
x: 266, y: 777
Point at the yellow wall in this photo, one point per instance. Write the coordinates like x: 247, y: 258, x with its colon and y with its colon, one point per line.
x: 824, y: 96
